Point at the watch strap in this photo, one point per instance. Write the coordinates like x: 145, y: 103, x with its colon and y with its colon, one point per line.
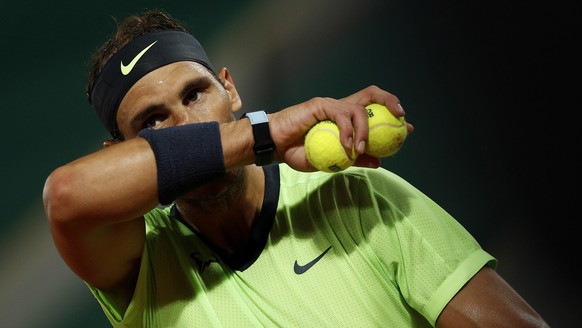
x: 264, y: 146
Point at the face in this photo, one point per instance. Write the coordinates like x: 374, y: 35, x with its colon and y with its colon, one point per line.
x: 182, y: 93
x: 177, y: 94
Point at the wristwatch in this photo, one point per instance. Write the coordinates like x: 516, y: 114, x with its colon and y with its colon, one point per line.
x: 264, y: 147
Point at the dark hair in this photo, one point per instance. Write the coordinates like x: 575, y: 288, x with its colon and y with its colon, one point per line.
x: 127, y: 30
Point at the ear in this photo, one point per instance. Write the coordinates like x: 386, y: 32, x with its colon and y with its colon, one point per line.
x: 110, y: 142
x: 227, y: 82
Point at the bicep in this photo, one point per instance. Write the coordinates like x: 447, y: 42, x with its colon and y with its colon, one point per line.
x: 487, y: 300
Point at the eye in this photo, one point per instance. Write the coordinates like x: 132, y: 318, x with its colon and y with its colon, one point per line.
x: 153, y: 121
x: 193, y: 95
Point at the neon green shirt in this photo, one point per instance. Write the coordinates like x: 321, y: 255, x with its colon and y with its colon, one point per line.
x: 359, y: 248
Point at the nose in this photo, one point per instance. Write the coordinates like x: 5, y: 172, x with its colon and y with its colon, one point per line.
x: 184, y: 116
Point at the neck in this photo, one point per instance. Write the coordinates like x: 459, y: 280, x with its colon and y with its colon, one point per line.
x: 225, y: 217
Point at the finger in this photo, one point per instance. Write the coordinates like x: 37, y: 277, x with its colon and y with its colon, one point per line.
x: 360, y: 122
x: 374, y: 94
x: 391, y: 102
x: 409, y: 128
x: 352, y: 121
x: 366, y: 160
x: 394, y: 105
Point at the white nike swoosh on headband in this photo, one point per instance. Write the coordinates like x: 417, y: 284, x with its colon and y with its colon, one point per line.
x: 127, y: 69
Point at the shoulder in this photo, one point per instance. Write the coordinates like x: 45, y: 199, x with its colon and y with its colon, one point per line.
x: 379, y: 178
x: 364, y: 183
x: 355, y: 172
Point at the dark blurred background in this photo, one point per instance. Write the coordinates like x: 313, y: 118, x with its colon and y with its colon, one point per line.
x: 488, y: 85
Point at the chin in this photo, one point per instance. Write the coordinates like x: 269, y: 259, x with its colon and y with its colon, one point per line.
x: 219, y: 193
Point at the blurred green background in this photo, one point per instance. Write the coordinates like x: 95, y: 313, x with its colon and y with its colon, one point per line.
x: 495, y: 142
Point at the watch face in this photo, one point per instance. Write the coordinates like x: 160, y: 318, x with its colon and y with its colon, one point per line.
x: 257, y: 117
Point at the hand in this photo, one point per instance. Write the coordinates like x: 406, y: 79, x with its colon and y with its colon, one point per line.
x: 289, y: 126
x: 373, y: 94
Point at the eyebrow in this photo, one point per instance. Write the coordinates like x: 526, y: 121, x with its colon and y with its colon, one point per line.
x: 195, y: 83
x: 143, y: 114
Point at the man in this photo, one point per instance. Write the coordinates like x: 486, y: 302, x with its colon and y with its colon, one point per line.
x: 239, y: 241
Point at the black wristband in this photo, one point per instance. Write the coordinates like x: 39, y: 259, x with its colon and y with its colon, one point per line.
x: 264, y: 146
x: 187, y: 156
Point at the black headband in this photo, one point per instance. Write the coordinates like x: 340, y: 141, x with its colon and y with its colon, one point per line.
x: 139, y: 57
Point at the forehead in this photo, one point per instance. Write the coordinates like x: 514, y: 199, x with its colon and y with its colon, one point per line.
x: 164, y: 81
x: 171, y: 74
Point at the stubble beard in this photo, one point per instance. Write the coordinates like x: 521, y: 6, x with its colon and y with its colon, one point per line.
x: 219, y: 201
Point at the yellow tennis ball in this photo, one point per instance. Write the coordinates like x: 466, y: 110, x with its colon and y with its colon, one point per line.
x: 324, y: 150
x: 386, y: 131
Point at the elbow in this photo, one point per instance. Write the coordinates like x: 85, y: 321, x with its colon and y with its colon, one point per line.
x: 58, y: 197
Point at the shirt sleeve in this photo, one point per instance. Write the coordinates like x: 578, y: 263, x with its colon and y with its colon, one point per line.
x: 423, y: 249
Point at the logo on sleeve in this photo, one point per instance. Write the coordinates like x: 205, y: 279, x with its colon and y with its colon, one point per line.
x: 301, y: 269
x: 127, y: 69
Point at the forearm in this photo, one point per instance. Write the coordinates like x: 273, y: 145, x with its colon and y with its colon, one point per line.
x: 112, y: 185
x: 120, y: 182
